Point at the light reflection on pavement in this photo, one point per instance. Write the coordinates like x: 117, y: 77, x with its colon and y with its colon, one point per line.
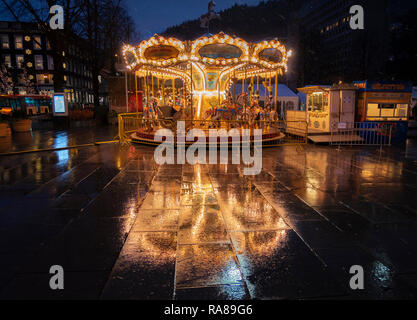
x: 124, y: 227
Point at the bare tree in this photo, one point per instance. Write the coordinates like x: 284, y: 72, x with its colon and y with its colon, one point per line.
x: 106, y: 24
x: 28, y: 84
x: 5, y: 84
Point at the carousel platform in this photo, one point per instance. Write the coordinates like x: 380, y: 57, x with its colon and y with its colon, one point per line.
x: 273, y: 136
x: 335, y: 138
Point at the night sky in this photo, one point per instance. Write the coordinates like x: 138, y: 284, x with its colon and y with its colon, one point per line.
x: 154, y: 16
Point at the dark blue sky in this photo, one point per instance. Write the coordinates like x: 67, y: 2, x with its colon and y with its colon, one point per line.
x: 154, y: 16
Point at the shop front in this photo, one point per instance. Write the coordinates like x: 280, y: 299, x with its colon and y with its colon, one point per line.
x: 327, y: 107
x: 385, y: 104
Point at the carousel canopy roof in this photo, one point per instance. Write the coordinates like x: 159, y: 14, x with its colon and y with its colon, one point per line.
x: 220, y: 50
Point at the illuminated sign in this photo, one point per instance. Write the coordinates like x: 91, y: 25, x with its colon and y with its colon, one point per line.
x: 60, y: 107
x: 382, y: 87
x: 388, y: 87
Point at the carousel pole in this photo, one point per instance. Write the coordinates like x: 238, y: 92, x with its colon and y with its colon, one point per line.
x: 163, y: 91
x: 276, y: 90
x: 191, y: 93
x: 136, y: 93
x: 147, y: 90
x: 127, y: 93
x: 234, y: 87
x: 251, y: 93
x: 218, y: 92
x: 243, y: 82
x: 153, y: 88
x: 183, y: 91
x: 244, y: 89
x: 243, y: 85
x: 145, y: 85
x: 173, y: 91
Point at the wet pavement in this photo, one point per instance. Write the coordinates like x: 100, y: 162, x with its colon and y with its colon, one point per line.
x: 123, y: 227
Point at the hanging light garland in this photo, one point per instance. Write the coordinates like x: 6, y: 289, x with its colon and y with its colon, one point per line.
x: 161, y: 52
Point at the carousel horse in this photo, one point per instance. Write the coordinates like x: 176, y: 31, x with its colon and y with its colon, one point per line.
x: 242, y: 99
x: 208, y: 114
x: 217, y: 116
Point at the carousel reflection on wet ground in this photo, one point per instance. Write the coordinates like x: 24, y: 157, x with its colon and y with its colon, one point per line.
x: 124, y: 227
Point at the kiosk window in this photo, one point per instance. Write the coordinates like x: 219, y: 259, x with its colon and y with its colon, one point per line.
x: 317, y: 101
x: 386, y: 111
x: 373, y: 110
x: 401, y: 111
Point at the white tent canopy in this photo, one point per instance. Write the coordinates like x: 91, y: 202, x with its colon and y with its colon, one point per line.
x: 285, y: 97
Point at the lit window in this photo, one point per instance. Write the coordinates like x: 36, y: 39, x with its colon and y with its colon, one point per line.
x: 385, y: 111
x: 5, y: 41
x: 39, y: 79
x: 50, y: 62
x: 38, y: 62
x: 18, y: 42
x: 7, y: 60
x: 19, y: 61
x: 401, y: 111
x: 318, y: 101
x: 373, y: 110
x: 48, y: 78
x: 44, y: 78
x: 37, y: 43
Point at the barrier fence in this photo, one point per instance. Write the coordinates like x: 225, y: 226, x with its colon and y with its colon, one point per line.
x: 275, y: 133
x: 361, y: 133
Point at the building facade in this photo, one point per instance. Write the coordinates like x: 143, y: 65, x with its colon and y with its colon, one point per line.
x: 28, y: 56
x: 346, y: 54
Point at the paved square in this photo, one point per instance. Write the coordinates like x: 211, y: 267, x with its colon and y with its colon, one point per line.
x: 123, y: 227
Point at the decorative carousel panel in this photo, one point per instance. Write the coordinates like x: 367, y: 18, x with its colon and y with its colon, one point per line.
x: 212, y: 78
x: 271, y: 55
x: 130, y: 57
x: 160, y: 51
x: 220, y: 50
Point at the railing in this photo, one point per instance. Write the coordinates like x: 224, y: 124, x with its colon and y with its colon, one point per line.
x: 275, y: 133
x: 361, y: 133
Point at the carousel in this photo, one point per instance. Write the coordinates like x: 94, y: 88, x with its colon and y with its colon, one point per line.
x: 196, y: 82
